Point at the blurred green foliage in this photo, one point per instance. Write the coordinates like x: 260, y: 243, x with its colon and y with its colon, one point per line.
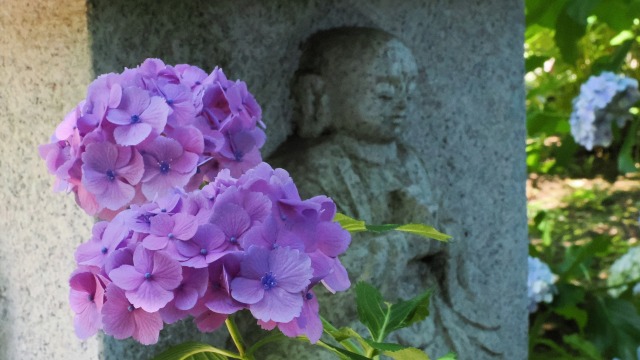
x: 579, y: 240
x: 566, y: 42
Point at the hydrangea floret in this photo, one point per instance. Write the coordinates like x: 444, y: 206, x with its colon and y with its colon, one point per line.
x: 603, y: 99
x: 623, y: 271
x: 143, y: 132
x: 540, y: 283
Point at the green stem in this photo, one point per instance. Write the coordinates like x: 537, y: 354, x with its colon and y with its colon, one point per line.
x: 348, y: 343
x: 226, y: 353
x: 235, y: 335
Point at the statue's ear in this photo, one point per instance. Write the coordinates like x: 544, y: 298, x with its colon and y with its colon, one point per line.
x: 312, y: 101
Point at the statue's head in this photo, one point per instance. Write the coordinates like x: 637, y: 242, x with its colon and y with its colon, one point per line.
x: 356, y: 81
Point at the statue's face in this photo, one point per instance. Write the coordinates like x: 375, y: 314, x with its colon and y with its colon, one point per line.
x: 369, y: 98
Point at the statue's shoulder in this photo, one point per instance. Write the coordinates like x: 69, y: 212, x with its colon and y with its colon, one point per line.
x: 311, y: 155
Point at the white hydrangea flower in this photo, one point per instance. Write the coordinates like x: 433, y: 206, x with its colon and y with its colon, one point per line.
x: 540, y: 281
x: 603, y: 99
x: 623, y: 270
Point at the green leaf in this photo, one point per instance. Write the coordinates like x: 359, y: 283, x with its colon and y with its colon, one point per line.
x: 407, y: 354
x: 382, y: 318
x: 191, y: 351
x: 568, y: 32
x: 573, y: 313
x: 618, y: 14
x: 353, y: 225
x: 346, y: 353
x: 449, y: 356
x: 614, y: 61
x: 346, y: 333
x: 626, y: 163
x: 580, y: 10
x: 543, y: 12
x: 583, y: 346
x: 349, y: 224
x: 533, y: 62
x: 614, y: 327
x: 424, y: 231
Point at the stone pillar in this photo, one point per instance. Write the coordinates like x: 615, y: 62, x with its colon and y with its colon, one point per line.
x: 45, y: 66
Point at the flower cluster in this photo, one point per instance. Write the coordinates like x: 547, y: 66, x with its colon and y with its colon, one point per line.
x: 625, y: 270
x: 143, y: 132
x: 603, y: 99
x: 246, y: 243
x: 540, y: 281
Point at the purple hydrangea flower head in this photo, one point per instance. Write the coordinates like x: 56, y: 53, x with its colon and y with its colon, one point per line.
x: 86, y: 297
x: 149, y: 282
x: 270, y: 282
x: 166, y: 228
x: 137, y: 116
x: 167, y: 166
x: 603, y: 99
x: 122, y: 320
x: 110, y: 171
x: 205, y: 247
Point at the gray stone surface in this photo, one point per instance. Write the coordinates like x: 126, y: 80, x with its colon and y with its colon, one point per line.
x: 468, y: 126
x: 45, y: 67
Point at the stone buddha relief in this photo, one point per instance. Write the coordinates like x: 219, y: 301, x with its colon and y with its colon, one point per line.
x: 353, y: 95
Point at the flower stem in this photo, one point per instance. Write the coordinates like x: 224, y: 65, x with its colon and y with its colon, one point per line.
x: 235, y: 335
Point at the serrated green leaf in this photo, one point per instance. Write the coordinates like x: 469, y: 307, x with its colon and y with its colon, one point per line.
x: 353, y: 225
x: 407, y: 354
x: 349, y: 224
x: 191, y: 351
x: 382, y: 318
x: 424, y: 230
x: 382, y: 228
x: 372, y: 312
x: 449, y: 356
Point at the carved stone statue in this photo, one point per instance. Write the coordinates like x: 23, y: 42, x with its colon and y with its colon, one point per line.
x: 353, y: 91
